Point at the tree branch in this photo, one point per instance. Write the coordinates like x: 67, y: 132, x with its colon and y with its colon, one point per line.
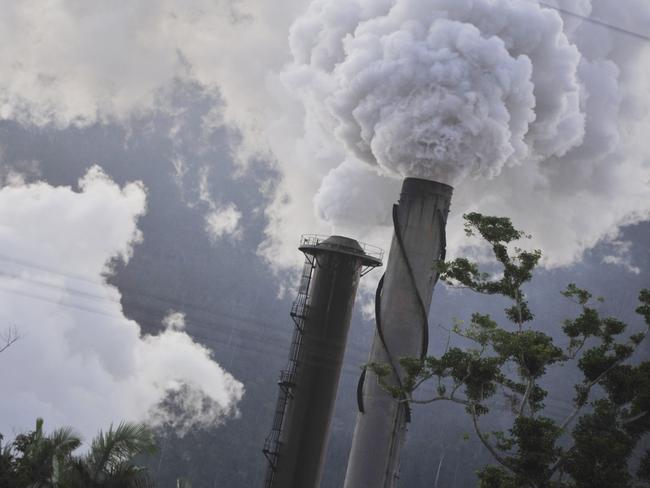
x: 437, y: 399
x: 590, y: 385
x: 575, y: 412
x: 425, y: 377
x: 8, y: 338
x: 559, y: 462
x: 575, y: 353
x: 485, y: 442
x: 634, y: 418
x: 524, y: 400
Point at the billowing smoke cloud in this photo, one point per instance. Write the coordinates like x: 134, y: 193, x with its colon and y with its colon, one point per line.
x: 528, y: 114
x: 530, y: 111
x: 79, y: 361
x: 439, y: 90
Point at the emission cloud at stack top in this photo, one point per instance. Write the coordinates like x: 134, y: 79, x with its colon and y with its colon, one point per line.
x: 501, y: 99
x: 439, y: 89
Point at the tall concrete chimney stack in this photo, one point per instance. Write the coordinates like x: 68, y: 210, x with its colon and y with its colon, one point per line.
x: 296, y: 447
x: 402, y: 308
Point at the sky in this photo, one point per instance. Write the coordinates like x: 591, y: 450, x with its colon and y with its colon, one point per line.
x: 159, y: 161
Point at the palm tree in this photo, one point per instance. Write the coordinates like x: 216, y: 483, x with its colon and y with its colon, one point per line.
x: 109, y: 463
x: 43, y: 454
x: 37, y: 460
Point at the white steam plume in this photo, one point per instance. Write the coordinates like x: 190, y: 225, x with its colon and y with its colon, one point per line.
x: 442, y: 89
x: 439, y: 90
x: 528, y: 114
x: 555, y: 105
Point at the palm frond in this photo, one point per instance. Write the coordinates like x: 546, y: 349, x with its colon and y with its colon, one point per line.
x: 126, y: 475
x: 118, y: 445
x: 64, y: 440
x: 75, y: 475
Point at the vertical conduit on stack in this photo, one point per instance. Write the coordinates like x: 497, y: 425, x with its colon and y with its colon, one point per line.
x: 295, y: 448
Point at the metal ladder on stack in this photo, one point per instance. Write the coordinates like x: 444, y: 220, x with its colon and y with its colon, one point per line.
x: 287, y: 382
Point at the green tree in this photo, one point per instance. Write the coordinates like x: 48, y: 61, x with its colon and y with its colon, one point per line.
x: 110, y: 461
x: 37, y: 460
x: 31, y: 459
x: 593, y: 445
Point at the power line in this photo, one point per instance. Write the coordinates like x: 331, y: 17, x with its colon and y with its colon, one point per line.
x: 131, y: 292
x: 275, y: 346
x: 124, y: 290
x: 271, y: 345
x: 267, y: 347
x: 278, y: 341
x: 263, y: 346
x: 260, y: 331
x: 595, y: 21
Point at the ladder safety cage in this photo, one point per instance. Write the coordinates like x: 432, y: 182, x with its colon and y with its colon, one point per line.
x: 287, y: 381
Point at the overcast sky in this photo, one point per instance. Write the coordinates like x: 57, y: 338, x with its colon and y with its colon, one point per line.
x: 175, y: 151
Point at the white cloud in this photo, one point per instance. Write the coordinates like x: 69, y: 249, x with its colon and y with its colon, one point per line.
x: 80, y: 361
x: 223, y: 221
x: 220, y: 220
x: 621, y: 256
x: 73, y: 62
x: 174, y: 320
